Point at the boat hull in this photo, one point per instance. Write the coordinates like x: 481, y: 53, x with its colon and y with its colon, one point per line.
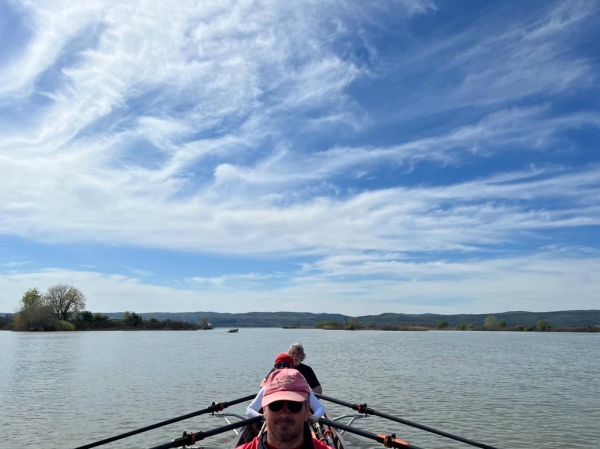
x: 326, y: 434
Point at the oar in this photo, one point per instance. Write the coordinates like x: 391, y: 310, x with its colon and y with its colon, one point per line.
x: 362, y: 408
x: 215, y: 407
x: 386, y: 440
x: 190, y: 438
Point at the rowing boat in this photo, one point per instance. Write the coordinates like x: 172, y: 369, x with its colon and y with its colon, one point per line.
x: 330, y: 431
x: 321, y: 431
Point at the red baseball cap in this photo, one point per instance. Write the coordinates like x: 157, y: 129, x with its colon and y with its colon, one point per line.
x: 284, y: 357
x: 286, y: 384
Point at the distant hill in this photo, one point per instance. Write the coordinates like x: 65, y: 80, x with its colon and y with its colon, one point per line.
x: 250, y: 319
x: 568, y: 318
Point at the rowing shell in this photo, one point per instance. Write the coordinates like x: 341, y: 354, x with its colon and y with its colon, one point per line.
x: 328, y: 431
x: 327, y: 434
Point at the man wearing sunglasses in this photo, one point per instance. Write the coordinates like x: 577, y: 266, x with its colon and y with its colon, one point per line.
x: 286, y: 408
x: 282, y: 361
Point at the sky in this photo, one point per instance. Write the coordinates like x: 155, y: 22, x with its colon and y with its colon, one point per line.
x: 403, y: 156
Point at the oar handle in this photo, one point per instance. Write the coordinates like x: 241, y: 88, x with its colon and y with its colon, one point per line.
x: 362, y: 408
x: 386, y: 440
x: 190, y: 438
x: 215, y: 407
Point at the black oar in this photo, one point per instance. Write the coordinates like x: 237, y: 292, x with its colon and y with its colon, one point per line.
x: 215, y: 407
x: 386, y: 440
x: 190, y: 438
x: 362, y: 408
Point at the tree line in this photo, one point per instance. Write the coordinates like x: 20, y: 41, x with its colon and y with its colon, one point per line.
x: 62, y: 308
x: 352, y: 324
x: 491, y: 323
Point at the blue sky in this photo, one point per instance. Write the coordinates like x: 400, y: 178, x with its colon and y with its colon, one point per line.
x: 407, y: 156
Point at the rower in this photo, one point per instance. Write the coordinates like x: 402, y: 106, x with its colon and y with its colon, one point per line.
x: 286, y: 408
x: 283, y: 361
x: 296, y: 350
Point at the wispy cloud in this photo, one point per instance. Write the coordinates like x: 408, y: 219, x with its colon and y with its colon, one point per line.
x: 499, y: 58
x: 235, y: 279
x: 13, y: 263
x: 382, y: 142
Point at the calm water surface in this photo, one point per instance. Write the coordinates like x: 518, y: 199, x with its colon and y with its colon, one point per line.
x: 506, y: 389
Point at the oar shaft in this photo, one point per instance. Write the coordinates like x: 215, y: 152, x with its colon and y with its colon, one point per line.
x: 432, y: 430
x: 185, y: 440
x: 362, y: 408
x: 364, y: 433
x: 213, y: 408
x: 336, y: 401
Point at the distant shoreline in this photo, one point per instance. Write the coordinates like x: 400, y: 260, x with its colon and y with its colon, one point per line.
x: 561, y: 321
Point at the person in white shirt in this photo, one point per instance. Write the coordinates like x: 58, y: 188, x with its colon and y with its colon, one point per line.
x: 283, y: 360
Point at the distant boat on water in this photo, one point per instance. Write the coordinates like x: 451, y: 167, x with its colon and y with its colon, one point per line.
x: 233, y: 331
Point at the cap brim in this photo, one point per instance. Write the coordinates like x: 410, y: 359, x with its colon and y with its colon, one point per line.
x: 284, y: 396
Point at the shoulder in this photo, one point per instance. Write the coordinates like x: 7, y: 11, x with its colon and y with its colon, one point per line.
x: 260, y: 394
x: 309, y: 374
x: 251, y: 445
x: 304, y: 368
x: 318, y: 444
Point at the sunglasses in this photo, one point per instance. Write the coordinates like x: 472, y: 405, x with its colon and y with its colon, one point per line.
x: 293, y: 407
x: 282, y: 365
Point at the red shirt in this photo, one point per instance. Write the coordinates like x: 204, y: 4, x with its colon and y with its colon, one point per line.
x: 254, y: 444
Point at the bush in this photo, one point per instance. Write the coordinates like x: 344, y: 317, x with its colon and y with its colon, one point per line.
x: 353, y: 324
x: 330, y: 325
x: 542, y: 325
x: 490, y: 323
x: 62, y: 325
x: 442, y: 324
x: 102, y: 321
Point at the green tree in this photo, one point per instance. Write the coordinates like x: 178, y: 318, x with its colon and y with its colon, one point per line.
x: 84, y: 320
x: 542, y: 325
x: 133, y: 320
x: 443, y: 324
x: 102, y: 321
x: 65, y: 299
x: 35, y: 313
x: 330, y: 325
x: 490, y: 322
x: 353, y: 324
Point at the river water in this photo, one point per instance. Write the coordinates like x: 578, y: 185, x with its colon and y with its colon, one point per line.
x: 505, y: 389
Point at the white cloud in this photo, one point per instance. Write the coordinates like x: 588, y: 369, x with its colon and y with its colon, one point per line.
x: 248, y: 129
x: 231, y: 279
x: 220, y: 64
x: 540, y: 283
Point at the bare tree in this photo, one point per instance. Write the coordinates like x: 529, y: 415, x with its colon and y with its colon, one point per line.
x: 65, y: 299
